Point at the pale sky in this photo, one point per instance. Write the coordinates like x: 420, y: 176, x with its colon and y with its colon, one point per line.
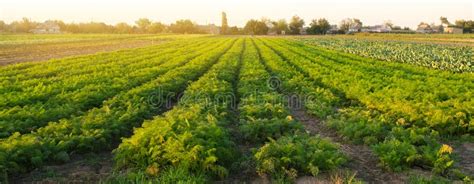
x: 400, y: 12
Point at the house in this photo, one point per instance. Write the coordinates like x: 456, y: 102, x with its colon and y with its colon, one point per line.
x: 453, y: 30
x: 333, y: 29
x: 303, y: 31
x: 209, y: 29
x: 424, y: 28
x: 354, y: 28
x: 377, y: 29
x: 48, y: 27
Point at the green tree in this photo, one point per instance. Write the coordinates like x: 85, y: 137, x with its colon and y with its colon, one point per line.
x: 3, y: 26
x: 156, y: 27
x: 389, y: 24
x: 123, y: 28
x: 296, y: 24
x: 224, y: 26
x: 444, y: 20
x: 23, y: 26
x: 143, y: 25
x: 255, y: 27
x: 466, y: 25
x: 357, y: 22
x: 348, y: 23
x: 183, y: 27
x: 320, y: 26
x: 280, y: 26
x: 234, y: 30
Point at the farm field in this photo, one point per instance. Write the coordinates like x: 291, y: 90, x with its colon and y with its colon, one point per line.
x: 223, y: 109
x: 17, y: 48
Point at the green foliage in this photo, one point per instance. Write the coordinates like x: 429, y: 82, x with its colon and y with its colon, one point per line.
x: 184, y: 27
x: 256, y: 27
x: 320, y: 26
x: 294, y: 152
x: 262, y: 111
x: 190, y: 136
x: 98, y: 127
x: 296, y: 25
x: 169, y: 175
x: 452, y: 58
x: 381, y: 114
x: 291, y: 156
x: 260, y: 130
x: 396, y: 155
x: 50, y: 98
x: 415, y: 95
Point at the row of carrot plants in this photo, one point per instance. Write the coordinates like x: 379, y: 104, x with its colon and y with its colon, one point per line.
x: 439, y: 103
x: 192, y: 136
x: 52, y: 67
x: 397, y: 143
x: 113, y: 80
x: 264, y: 118
x: 99, y: 128
x: 47, y: 76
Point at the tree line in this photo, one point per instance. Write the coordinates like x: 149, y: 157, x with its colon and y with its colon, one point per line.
x: 142, y: 25
x: 264, y: 26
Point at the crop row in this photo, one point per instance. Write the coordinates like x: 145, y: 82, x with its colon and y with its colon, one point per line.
x: 444, y: 57
x: 398, y: 145
x: 99, y: 128
x: 440, y: 103
x: 194, y: 136
x: 41, y: 51
x: 102, y: 87
x: 22, y: 92
x: 191, y: 135
x: 58, y: 69
x: 264, y: 117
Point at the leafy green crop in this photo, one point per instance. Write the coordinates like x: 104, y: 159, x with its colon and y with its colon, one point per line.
x: 300, y: 153
x: 452, y: 58
x: 191, y: 135
x: 98, y: 127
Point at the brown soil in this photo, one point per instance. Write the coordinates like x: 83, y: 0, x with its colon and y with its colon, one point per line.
x: 91, y: 168
x: 465, y: 152
x: 43, y: 52
x: 362, y: 160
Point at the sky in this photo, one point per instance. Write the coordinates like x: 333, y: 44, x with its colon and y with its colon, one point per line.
x: 401, y: 12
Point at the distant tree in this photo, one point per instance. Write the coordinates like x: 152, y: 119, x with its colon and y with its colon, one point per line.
x: 95, y: 27
x: 224, y: 26
x: 143, y: 25
x: 396, y: 28
x: 156, y: 27
x: 389, y: 24
x: 357, y: 22
x: 60, y: 23
x: 123, y: 28
x: 444, y: 20
x: 280, y: 26
x: 320, y: 26
x: 3, y: 26
x: 437, y: 28
x: 255, y: 27
x: 296, y: 24
x: 348, y: 23
x: 345, y: 24
x: 234, y: 31
x: 183, y: 26
x: 466, y: 25
x: 23, y: 26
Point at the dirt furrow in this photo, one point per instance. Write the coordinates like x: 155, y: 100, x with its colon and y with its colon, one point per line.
x: 362, y: 159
